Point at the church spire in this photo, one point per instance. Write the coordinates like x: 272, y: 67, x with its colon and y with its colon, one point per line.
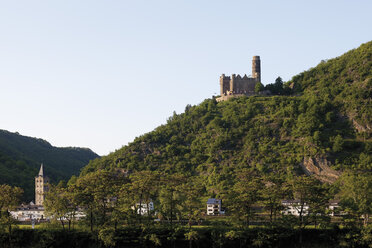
x: 41, y: 172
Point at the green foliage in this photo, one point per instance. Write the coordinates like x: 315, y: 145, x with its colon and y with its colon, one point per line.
x: 61, y: 203
x: 9, y: 199
x: 356, y: 194
x: 21, y: 156
x: 347, y: 81
x: 277, y: 88
x: 245, y: 193
x: 338, y: 144
x: 259, y: 87
x: 201, y: 237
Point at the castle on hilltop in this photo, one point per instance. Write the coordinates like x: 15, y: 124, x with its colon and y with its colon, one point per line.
x: 239, y: 86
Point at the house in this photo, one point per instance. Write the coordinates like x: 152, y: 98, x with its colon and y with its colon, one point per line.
x: 144, y: 208
x: 214, y: 207
x: 293, y: 207
x: 334, y: 208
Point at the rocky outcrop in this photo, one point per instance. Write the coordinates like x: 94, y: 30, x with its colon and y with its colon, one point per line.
x: 319, y: 167
x: 360, y: 127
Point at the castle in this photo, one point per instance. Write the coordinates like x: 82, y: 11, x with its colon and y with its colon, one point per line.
x: 238, y: 86
x: 41, y: 186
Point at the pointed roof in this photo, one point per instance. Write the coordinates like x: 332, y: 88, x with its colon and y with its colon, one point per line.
x: 41, y: 172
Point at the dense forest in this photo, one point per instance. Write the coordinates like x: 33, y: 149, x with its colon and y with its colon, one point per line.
x: 21, y: 156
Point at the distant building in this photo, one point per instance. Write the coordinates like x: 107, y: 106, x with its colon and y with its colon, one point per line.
x: 41, y: 186
x: 214, y: 207
x: 335, y: 209
x: 28, y: 212
x: 293, y: 207
x: 144, y: 208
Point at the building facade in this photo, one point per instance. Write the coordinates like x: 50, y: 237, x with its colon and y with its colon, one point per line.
x: 214, y: 207
x: 28, y: 212
x: 293, y: 207
x: 144, y: 208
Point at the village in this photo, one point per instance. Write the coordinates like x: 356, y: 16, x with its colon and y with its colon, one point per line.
x: 34, y: 212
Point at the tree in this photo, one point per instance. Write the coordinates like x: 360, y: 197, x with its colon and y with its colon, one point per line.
x: 259, y: 87
x: 97, y: 192
x: 56, y: 204
x: 309, y: 192
x: 244, y: 194
x: 143, y: 187
x: 338, y: 144
x: 356, y: 194
x: 273, y: 192
x: 191, y: 207
x: 170, y: 197
x: 61, y: 204
x: 277, y: 87
x: 9, y: 199
x: 278, y: 83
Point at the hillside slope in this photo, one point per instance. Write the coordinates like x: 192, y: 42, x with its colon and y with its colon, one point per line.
x: 311, y: 129
x: 345, y: 80
x: 21, y: 156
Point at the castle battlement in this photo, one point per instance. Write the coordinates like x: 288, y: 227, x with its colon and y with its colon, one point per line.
x: 240, y: 85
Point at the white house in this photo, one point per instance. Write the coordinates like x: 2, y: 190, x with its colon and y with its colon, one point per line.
x: 214, y: 207
x: 29, y: 212
x: 335, y: 209
x: 293, y: 207
x: 144, y: 208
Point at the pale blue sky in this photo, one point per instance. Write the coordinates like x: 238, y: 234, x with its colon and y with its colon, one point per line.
x: 98, y: 74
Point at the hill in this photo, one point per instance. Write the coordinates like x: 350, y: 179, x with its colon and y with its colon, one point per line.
x: 320, y: 126
x: 21, y: 156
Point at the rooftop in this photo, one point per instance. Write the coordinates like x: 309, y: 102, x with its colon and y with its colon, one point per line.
x: 214, y: 201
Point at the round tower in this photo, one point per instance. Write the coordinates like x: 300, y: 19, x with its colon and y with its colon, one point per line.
x: 256, y: 68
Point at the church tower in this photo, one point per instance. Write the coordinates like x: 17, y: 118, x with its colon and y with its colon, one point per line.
x: 41, y: 186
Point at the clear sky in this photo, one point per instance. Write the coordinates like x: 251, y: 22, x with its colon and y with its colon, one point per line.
x: 98, y: 74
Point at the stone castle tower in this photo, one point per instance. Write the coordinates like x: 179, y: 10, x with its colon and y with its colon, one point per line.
x: 41, y: 186
x: 237, y: 85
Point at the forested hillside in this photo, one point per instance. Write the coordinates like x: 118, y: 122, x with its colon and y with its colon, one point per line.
x: 322, y: 120
x: 21, y: 156
x: 250, y: 152
x: 346, y: 81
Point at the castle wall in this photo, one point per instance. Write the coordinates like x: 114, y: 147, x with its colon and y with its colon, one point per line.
x: 235, y: 85
x: 244, y: 85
